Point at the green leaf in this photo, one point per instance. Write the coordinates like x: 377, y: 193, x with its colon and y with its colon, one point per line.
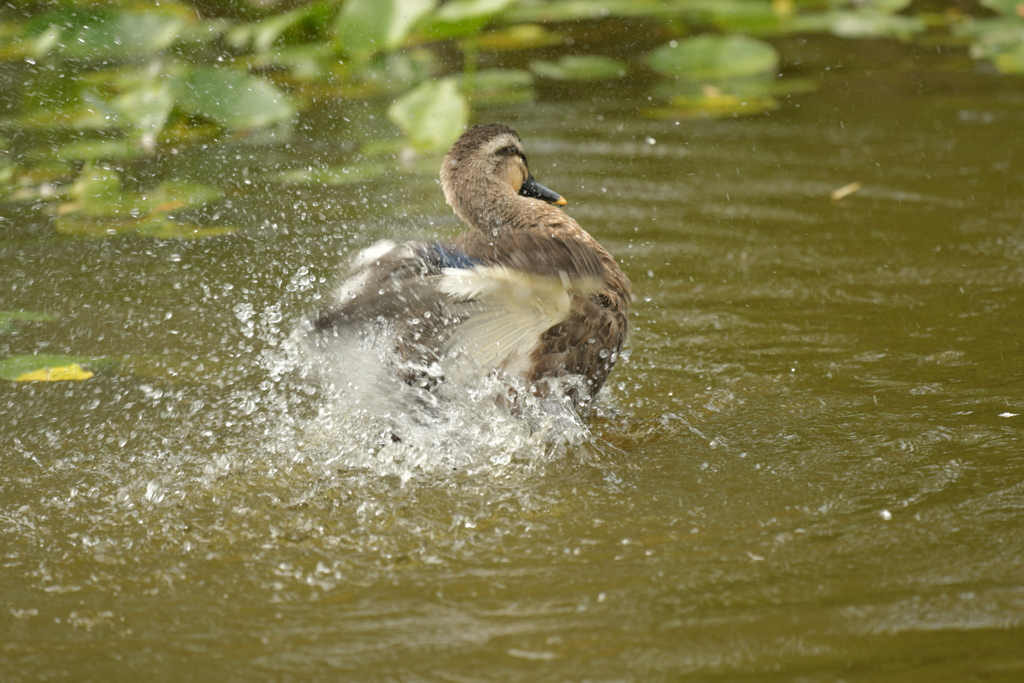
x: 884, y: 6
x: 106, y: 35
x: 1005, y: 6
x: 735, y: 16
x: 708, y: 58
x: 98, y: 190
x: 580, y: 68
x: 47, y: 367
x: 996, y: 30
x: 261, y: 35
x: 86, y: 112
x: 147, y: 108
x: 860, y: 24
x: 519, y: 37
x: 304, y: 63
x: 97, y: 150
x: 200, y: 33
x: 1010, y: 62
x: 8, y: 318
x: 461, y: 10
x: 712, y: 104
x: 461, y: 17
x: 365, y: 27
x: 580, y: 10
x: 433, y: 114
x: 999, y: 39
x: 234, y: 99
x: 99, y: 207
x: 173, y: 195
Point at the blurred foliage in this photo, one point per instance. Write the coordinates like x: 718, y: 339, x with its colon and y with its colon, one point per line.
x: 580, y: 68
x: 51, y: 368
x: 998, y: 39
x: 9, y: 320
x: 94, y: 88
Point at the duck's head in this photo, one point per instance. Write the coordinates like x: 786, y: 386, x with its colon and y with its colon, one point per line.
x: 485, y: 165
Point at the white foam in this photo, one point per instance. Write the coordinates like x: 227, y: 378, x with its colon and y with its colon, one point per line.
x: 472, y: 419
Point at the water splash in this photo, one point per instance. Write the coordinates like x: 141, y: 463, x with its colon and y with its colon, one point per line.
x: 468, y: 420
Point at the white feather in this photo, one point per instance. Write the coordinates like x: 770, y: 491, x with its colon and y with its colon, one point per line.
x: 372, y: 253
x: 360, y: 267
x: 510, y: 312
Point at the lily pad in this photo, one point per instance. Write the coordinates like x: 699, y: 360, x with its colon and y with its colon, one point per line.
x: 98, y: 206
x: 712, y: 103
x: 580, y: 68
x: 304, y: 64
x: 518, y: 37
x: 999, y: 39
x: 51, y: 368
x: 365, y: 27
x: 578, y: 10
x: 107, y: 35
x: 197, y: 33
x: 462, y: 10
x: 98, y: 192
x: 234, y: 99
x: 994, y: 29
x: 261, y: 35
x: 97, y: 150
x: 1010, y: 61
x: 734, y: 97
x: 738, y: 16
x: 87, y: 111
x: 432, y: 115
x: 147, y: 107
x: 711, y: 58
x: 461, y: 17
x: 857, y: 24
x: 1011, y: 7
x: 889, y: 6
x: 9, y: 318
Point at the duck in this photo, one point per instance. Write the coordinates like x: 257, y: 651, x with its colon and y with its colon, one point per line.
x: 525, y: 291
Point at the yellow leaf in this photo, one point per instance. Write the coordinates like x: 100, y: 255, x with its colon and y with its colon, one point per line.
x: 68, y: 372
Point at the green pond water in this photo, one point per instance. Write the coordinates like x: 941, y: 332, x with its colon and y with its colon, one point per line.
x: 810, y: 468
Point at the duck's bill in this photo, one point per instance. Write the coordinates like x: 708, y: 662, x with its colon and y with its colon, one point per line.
x: 531, y: 188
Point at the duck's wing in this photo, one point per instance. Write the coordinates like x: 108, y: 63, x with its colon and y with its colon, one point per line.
x: 504, y: 312
x: 390, y: 281
x: 552, y: 245
x: 560, y: 250
x: 492, y: 313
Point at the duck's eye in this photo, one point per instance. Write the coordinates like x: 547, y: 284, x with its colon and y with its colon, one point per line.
x: 512, y: 151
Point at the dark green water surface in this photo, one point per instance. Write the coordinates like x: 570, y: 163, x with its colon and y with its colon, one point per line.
x: 810, y: 468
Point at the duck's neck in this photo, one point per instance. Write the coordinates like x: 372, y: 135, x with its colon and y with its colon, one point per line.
x: 493, y: 208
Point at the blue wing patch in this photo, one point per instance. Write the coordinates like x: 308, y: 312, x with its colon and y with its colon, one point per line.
x: 447, y: 257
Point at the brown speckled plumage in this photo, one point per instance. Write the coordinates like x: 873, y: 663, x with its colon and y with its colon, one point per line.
x: 484, y: 177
